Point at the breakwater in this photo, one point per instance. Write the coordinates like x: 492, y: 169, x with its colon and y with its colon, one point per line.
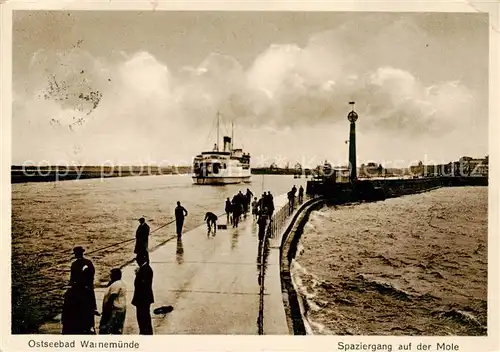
x: 293, y: 303
x: 48, y: 221
x: 52, y: 173
x: 281, y: 171
x: 379, y: 189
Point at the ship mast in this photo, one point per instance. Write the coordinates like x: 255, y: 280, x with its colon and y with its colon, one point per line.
x: 218, y: 117
x: 232, y: 134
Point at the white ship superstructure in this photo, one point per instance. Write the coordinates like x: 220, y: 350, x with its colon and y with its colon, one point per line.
x: 222, y: 167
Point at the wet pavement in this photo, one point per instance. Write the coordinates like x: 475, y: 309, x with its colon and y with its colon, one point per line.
x: 211, y: 282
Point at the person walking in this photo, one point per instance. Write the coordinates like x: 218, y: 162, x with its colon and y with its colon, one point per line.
x: 211, y: 219
x: 142, y: 239
x: 301, y: 194
x: 270, y: 205
x: 237, y: 208
x: 180, y: 214
x: 114, y: 305
x: 255, y: 208
x: 242, y: 200
x: 228, y: 211
x: 249, y: 196
x: 80, y: 307
x: 143, y: 296
x: 262, y: 203
x: 291, y: 201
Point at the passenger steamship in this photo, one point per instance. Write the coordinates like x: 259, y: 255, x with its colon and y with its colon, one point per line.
x: 217, y: 167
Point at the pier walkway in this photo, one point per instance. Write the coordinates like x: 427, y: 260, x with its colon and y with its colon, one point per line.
x: 212, y: 284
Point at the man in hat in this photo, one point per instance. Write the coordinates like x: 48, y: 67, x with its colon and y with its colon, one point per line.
x: 80, y: 305
x: 114, y: 305
x: 82, y: 269
x: 142, y: 239
x: 143, y: 295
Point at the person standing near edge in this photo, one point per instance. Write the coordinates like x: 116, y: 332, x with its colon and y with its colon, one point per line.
x: 80, y: 305
x: 141, y: 238
x: 301, y: 194
x: 143, y: 295
x: 180, y: 213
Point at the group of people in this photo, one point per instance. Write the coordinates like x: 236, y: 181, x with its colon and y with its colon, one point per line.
x: 237, y: 207
x: 80, y: 307
x: 291, y: 197
x: 263, y: 206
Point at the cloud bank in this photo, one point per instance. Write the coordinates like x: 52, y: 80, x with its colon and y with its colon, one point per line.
x: 290, y: 103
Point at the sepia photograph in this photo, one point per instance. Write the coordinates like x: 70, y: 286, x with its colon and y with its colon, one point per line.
x: 250, y: 173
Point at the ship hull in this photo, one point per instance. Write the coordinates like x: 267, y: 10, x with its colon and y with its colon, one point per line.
x: 214, y: 180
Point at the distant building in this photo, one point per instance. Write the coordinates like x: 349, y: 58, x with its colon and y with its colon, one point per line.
x: 464, y: 167
x: 371, y: 170
x: 473, y: 167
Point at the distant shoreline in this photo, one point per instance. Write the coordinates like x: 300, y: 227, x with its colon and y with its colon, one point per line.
x: 53, y: 173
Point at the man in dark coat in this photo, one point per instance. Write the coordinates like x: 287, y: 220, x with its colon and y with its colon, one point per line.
x: 82, y: 269
x: 80, y: 305
x: 291, y: 202
x: 242, y: 200
x: 180, y: 214
x: 262, y: 203
x: 228, y: 210
x: 270, y: 204
x: 249, y: 196
x: 237, y: 209
x: 143, y: 296
x: 142, y: 238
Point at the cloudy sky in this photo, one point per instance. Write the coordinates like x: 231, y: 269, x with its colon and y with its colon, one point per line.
x: 145, y: 87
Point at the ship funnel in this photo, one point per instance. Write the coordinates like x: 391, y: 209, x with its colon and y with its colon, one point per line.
x: 227, y: 143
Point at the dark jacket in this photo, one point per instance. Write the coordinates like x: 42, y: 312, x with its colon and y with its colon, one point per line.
x: 82, y: 273
x: 143, y: 286
x: 78, y: 311
x: 180, y: 212
x: 249, y: 195
x: 141, y: 238
x: 270, y: 200
x: 237, y: 208
x: 210, y: 216
x: 262, y: 222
